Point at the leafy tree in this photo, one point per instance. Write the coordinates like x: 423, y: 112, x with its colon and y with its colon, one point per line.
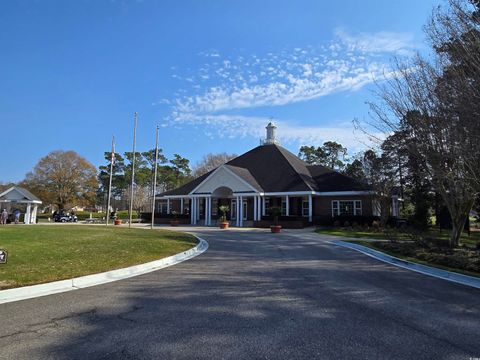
x: 63, y: 178
x: 355, y: 170
x: 331, y: 154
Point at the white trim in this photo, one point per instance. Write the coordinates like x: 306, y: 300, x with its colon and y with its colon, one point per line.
x: 287, y: 206
x: 255, y: 212
x: 288, y: 193
x: 21, y: 201
x: 168, y: 206
x: 181, y: 206
x: 228, y: 170
x: 344, y: 193
x: 263, y: 206
x: 291, y: 193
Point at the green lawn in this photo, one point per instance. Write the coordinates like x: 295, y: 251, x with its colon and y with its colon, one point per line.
x: 473, y: 239
x: 44, y: 253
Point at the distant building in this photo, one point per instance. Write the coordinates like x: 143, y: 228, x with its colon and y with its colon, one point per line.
x: 17, y: 197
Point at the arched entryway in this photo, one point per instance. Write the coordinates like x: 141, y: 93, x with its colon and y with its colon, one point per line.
x: 223, y: 195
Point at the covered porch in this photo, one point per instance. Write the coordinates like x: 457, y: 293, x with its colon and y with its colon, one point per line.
x: 245, y: 209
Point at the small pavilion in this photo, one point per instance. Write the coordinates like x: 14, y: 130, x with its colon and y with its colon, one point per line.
x: 17, y: 195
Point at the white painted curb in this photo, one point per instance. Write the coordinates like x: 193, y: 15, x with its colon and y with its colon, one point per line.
x: 409, y: 265
x: 28, y: 292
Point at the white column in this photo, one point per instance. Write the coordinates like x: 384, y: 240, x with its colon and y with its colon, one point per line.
x: 287, y: 205
x: 263, y: 206
x: 34, y: 214
x: 255, y: 212
x: 209, y: 211
x: 181, y: 206
x: 310, y: 208
x: 238, y: 210
x: 241, y: 211
x: 192, y: 210
x: 259, y: 216
x: 168, y: 206
x: 197, y: 211
x: 27, y: 215
x: 205, y: 211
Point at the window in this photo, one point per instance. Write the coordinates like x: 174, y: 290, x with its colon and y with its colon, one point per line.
x: 233, y: 210
x: 358, y: 208
x: 267, y: 206
x: 162, y: 207
x: 284, y: 207
x: 245, y: 206
x: 214, y: 207
x: 305, y: 208
x: 346, y: 208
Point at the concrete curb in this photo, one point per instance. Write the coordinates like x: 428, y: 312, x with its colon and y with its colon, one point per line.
x: 423, y: 269
x: 28, y: 292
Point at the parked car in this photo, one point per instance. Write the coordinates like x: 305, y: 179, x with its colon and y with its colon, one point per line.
x: 63, y: 217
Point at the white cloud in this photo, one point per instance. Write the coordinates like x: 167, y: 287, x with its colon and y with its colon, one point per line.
x: 378, y: 42
x: 223, y: 85
x: 238, y: 126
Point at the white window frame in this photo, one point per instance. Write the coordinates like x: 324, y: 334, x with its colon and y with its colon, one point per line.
x: 306, y: 207
x: 233, y: 210
x: 245, y: 208
x: 336, y: 208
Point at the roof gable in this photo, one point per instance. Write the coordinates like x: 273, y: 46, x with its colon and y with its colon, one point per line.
x: 235, y: 178
x: 16, y: 193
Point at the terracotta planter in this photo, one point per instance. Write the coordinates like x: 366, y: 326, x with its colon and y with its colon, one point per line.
x: 224, y: 225
x: 174, y: 222
x: 118, y: 222
x: 275, y: 228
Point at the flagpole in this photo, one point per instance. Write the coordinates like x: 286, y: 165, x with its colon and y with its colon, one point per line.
x: 133, y: 168
x: 112, y: 158
x: 155, y: 178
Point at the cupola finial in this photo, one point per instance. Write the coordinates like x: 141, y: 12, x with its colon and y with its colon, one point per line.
x: 271, y: 133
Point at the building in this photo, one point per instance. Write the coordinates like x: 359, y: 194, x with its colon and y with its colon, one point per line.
x: 266, y: 176
x: 17, y: 198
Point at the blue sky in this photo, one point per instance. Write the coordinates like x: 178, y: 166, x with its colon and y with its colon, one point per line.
x: 210, y: 73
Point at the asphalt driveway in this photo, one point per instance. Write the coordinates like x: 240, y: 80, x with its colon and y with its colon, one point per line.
x: 253, y: 295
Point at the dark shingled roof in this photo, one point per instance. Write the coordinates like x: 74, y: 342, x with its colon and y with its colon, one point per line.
x: 186, y: 188
x: 272, y: 168
x: 329, y: 180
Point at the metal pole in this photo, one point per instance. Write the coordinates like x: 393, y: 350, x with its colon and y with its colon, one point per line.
x: 133, y: 170
x: 112, y: 159
x: 155, y: 178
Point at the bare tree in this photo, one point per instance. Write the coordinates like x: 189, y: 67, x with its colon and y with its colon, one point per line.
x: 436, y: 102
x: 210, y: 162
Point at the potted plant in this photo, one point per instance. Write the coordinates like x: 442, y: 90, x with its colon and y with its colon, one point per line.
x: 174, y: 221
x: 275, y: 212
x: 224, y: 224
x: 115, y: 218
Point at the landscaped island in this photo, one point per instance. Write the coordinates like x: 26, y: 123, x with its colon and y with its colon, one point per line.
x: 428, y: 248
x: 40, y: 254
